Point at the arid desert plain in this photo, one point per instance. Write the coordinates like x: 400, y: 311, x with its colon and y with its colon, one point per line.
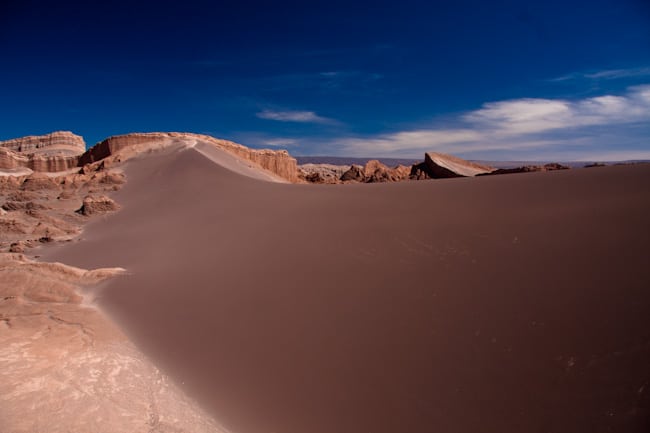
x: 173, y: 282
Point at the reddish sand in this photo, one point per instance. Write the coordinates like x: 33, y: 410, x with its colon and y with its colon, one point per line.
x: 496, y: 304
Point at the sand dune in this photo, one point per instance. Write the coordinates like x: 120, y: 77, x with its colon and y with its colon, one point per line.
x: 494, y: 304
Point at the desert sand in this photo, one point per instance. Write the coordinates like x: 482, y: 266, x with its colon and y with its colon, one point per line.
x: 495, y: 304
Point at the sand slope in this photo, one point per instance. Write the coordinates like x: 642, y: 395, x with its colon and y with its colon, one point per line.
x: 516, y: 303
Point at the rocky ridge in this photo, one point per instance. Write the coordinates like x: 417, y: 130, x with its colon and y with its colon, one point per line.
x: 123, y: 147
x: 64, y: 151
x: 528, y: 169
x: 434, y: 166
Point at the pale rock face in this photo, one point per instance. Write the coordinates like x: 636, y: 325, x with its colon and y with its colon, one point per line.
x: 58, y: 151
x: 440, y: 165
x: 55, y: 143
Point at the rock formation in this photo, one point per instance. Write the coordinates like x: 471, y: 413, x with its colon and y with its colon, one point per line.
x: 322, y: 173
x: 374, y: 171
x: 441, y: 165
x: 66, y: 368
x: 58, y: 151
x: 97, y: 204
x: 61, y: 151
x: 528, y: 169
x: 123, y: 147
x: 435, y: 165
x: 56, y: 143
x: 354, y: 174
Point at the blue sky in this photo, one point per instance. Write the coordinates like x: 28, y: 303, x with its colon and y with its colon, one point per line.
x: 565, y: 80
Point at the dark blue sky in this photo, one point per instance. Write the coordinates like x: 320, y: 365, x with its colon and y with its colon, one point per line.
x: 492, y: 80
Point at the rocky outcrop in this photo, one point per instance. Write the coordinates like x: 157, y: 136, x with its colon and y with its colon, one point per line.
x: 38, y: 181
x: 354, y: 174
x: 66, y: 368
x: 58, y: 151
x: 528, y: 169
x: 97, y: 204
x: 322, y: 173
x: 441, y: 166
x: 60, y: 142
x: 374, y: 172
x: 10, y: 160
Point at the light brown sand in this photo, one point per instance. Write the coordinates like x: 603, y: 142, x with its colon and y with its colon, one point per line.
x: 497, y: 304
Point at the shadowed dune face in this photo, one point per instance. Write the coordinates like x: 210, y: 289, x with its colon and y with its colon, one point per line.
x: 515, y: 303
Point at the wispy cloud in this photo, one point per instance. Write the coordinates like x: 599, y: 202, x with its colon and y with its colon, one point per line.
x: 519, y: 124
x: 294, y: 116
x: 609, y: 74
x: 280, y: 142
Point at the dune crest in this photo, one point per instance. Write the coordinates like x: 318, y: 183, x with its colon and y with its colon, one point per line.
x: 124, y: 147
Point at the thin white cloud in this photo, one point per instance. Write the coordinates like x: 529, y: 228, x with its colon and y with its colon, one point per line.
x: 620, y: 73
x: 608, y: 74
x: 515, y: 125
x: 294, y: 116
x: 281, y: 142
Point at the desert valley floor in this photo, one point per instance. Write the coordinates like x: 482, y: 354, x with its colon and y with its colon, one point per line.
x: 507, y: 303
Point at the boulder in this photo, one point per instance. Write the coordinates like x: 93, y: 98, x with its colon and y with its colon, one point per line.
x: 97, y: 205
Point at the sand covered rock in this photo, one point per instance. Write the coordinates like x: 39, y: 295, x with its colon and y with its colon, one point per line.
x: 22, y: 205
x: 61, y: 151
x: 39, y: 181
x: 97, y: 205
x: 124, y: 147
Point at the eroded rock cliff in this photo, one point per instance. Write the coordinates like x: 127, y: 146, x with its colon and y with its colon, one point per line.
x: 123, y: 147
x: 54, y: 143
x: 58, y: 151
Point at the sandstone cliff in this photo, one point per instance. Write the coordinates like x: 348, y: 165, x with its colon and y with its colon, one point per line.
x: 123, y: 147
x: 14, y: 161
x: 61, y: 151
x: 55, y: 143
x: 58, y: 151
